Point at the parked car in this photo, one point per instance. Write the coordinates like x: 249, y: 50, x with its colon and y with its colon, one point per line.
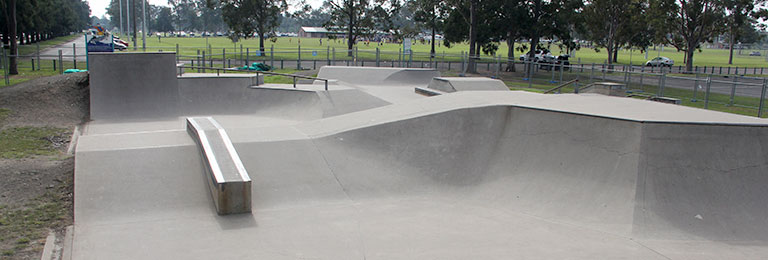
x: 539, y: 56
x: 118, y: 40
x: 555, y: 61
x: 660, y: 61
x: 119, y: 46
x: 754, y: 53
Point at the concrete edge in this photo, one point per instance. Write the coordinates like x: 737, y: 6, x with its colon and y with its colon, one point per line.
x: 73, y: 140
x: 427, y: 91
x: 50, y: 242
x: 69, y: 236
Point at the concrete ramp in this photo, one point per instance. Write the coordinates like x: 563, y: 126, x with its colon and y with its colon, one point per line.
x: 378, y: 76
x: 467, y: 175
x: 133, y: 86
x: 453, y: 84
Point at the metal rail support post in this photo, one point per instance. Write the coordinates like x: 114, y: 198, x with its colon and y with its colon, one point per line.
x: 706, y: 95
x: 38, y: 54
x: 74, y: 55
x: 762, y: 100
x: 733, y: 90
x: 298, y: 62
x: 695, y: 87
x: 378, y: 56
x: 61, y: 63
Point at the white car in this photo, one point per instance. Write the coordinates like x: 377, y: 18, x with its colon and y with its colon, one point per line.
x: 540, y: 56
x: 660, y: 61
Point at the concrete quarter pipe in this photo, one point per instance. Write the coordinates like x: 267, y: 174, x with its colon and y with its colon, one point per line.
x: 464, y: 175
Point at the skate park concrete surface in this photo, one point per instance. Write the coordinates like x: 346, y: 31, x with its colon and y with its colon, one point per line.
x: 371, y: 170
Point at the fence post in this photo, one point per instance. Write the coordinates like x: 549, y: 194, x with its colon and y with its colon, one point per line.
x: 33, y: 64
x: 61, y: 63
x: 178, y: 55
x: 298, y: 63
x: 272, y: 57
x: 661, y: 83
x: 733, y: 90
x: 74, y: 56
x: 706, y: 95
x: 328, y: 54
x: 241, y: 53
x: 762, y: 98
x: 203, y: 63
x: 561, y: 73
x: 334, y: 55
x: 223, y: 58
x: 38, y: 55
x: 642, y: 74
x: 592, y: 73
x: 377, y: 57
x: 247, y: 56
x: 4, y: 63
x: 356, y: 53
x: 695, y: 87
x: 462, y: 61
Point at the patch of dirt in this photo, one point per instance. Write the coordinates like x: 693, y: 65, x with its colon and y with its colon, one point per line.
x: 36, y: 192
x: 60, y: 101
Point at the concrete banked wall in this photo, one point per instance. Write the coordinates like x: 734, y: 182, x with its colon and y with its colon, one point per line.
x: 639, y: 179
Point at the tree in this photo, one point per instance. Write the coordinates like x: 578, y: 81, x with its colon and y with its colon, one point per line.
x: 431, y: 14
x: 510, y: 19
x: 353, y: 16
x: 10, y: 14
x: 604, y: 20
x: 685, y: 24
x: 740, y: 13
x: 246, y: 17
x: 164, y: 20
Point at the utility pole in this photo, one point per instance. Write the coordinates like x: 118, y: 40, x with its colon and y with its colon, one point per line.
x: 133, y: 8
x: 121, y: 17
x: 144, y: 25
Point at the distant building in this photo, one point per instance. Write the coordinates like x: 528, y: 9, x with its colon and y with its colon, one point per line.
x: 317, y: 32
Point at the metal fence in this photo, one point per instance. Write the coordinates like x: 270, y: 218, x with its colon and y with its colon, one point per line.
x: 704, y: 87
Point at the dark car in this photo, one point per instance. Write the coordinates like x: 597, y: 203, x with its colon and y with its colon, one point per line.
x: 556, y: 62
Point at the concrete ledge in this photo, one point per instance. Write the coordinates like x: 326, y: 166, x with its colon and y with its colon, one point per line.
x: 667, y: 100
x: 427, y: 92
x: 228, y: 181
x: 453, y: 84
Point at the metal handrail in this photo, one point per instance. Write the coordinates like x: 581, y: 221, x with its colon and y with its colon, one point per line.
x: 294, y: 76
x: 561, y: 86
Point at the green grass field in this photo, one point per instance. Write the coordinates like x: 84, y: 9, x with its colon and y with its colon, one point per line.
x: 286, y: 48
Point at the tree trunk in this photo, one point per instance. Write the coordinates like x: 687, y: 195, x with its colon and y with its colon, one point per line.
x: 432, y: 51
x: 733, y: 38
x: 12, y: 65
x: 261, y: 43
x: 534, y: 37
x: 510, y: 53
x: 689, y: 59
x: 351, y: 26
x: 133, y: 11
x: 472, y: 35
x: 616, y: 53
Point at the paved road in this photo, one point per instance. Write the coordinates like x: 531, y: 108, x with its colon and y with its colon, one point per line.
x: 66, y: 50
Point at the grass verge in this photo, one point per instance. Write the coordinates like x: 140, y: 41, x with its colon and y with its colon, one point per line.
x: 22, y: 142
x: 27, y: 226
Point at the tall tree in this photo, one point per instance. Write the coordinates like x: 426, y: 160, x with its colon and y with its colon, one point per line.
x: 686, y: 24
x: 740, y: 13
x: 353, y: 16
x: 246, y: 17
x: 604, y: 20
x: 11, y: 15
x: 430, y: 13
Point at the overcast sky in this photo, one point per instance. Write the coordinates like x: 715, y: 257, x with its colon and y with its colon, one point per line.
x: 99, y: 7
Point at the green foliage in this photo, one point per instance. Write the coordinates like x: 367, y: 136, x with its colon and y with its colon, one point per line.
x: 20, y: 142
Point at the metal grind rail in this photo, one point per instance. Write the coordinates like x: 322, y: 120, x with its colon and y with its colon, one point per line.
x: 219, y: 70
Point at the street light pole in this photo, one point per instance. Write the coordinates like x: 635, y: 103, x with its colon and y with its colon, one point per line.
x: 144, y: 25
x: 121, y: 17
